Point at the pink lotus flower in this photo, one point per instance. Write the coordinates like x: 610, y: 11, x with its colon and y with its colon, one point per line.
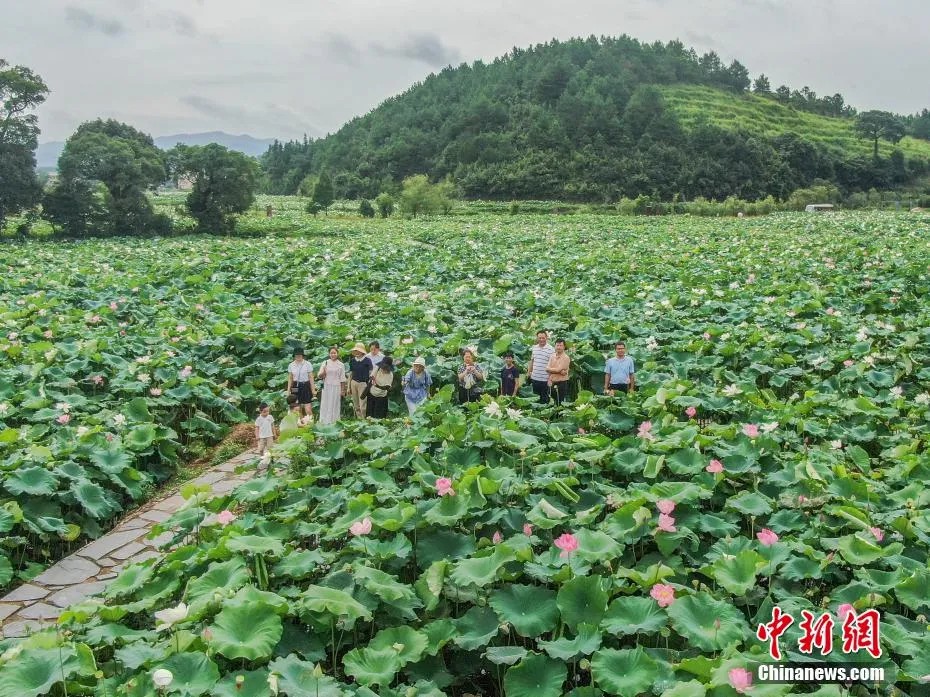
x: 581, y: 431
x: 844, y: 610
x: 199, y: 307
x: 667, y: 523
x: 109, y: 437
x: 831, y: 311
x: 715, y: 467
x: 96, y: 319
x: 568, y: 543
x: 225, y: 517
x: 691, y: 412
x: 767, y: 537
x: 48, y: 334
x: 740, y: 679
x: 527, y: 529
x: 63, y: 419
x: 114, y: 306
x: 706, y: 336
x: 849, y: 362
x: 645, y: 430
x: 175, y: 339
x: 181, y: 328
x: 665, y: 506
x: 155, y: 391
x: 186, y: 372
x: 361, y: 527
x: 750, y: 430
x: 663, y: 594
x: 497, y: 538
x: 877, y: 532
x: 444, y: 487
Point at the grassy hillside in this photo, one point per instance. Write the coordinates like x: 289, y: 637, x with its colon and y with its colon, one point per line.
x: 751, y: 113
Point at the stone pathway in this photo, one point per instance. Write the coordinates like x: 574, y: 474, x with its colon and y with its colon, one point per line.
x: 87, y: 571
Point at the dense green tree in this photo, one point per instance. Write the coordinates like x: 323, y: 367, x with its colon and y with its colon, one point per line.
x: 323, y: 194
x: 385, y: 204
x: 874, y: 125
x: 761, y: 85
x: 919, y: 125
x: 420, y: 197
x: 126, y: 162
x: 365, y: 209
x: 224, y: 185
x: 21, y: 90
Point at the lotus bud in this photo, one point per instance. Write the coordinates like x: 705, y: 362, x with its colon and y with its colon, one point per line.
x: 921, y: 618
x: 162, y: 678
x: 584, y: 664
x: 505, y: 628
x: 397, y: 647
x: 240, y: 679
x: 717, y: 623
x: 665, y: 632
x: 317, y: 671
x: 695, y: 583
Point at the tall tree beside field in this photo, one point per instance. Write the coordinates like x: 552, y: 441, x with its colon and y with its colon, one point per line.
x: 21, y: 90
x: 323, y: 194
x: 224, y: 185
x: 761, y: 85
x: 874, y: 125
x: 126, y: 163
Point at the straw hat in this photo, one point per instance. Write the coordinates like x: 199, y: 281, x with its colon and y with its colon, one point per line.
x: 359, y: 348
x: 420, y: 361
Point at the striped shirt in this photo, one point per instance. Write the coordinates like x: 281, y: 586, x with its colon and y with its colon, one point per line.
x: 541, y: 356
x: 301, y: 372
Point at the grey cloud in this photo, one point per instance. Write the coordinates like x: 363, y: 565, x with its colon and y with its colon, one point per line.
x: 274, y: 118
x: 426, y: 48
x: 341, y: 49
x: 182, y: 24
x: 80, y: 17
x: 702, y: 40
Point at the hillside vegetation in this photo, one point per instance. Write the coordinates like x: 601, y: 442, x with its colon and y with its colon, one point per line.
x: 600, y: 119
x: 753, y: 113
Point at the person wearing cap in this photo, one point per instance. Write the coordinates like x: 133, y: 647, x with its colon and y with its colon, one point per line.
x: 300, y: 382
x: 382, y: 380
x: 360, y: 368
x: 471, y: 378
x: 416, y: 384
x: 333, y: 372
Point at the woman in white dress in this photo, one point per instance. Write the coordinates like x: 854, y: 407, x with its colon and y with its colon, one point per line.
x: 333, y: 372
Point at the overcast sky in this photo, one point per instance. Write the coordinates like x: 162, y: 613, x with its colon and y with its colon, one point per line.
x: 282, y: 68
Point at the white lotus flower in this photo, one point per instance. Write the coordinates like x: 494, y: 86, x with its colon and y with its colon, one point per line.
x: 493, y: 409
x: 119, y: 419
x: 266, y: 458
x: 162, y: 677
x: 732, y: 390
x: 922, y: 398
x: 869, y: 360
x: 171, y: 616
x: 769, y: 427
x: 862, y: 334
x: 50, y: 355
x: 897, y: 390
x: 836, y: 444
x: 143, y: 359
x: 4, y: 407
x: 82, y: 431
x: 144, y: 378
x: 431, y: 329
x: 514, y: 413
x: 63, y: 406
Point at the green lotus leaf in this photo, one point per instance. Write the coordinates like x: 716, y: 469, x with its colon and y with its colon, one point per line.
x: 254, y: 683
x: 914, y: 591
x: 737, y: 575
x: 633, y: 615
x: 253, y: 544
x: 36, y: 481
x: 142, y: 437
x: 384, y: 586
x: 298, y: 678
x: 518, y: 440
x: 36, y: 670
x: 586, y: 642
x: 299, y: 564
x: 249, y: 631
x: 193, y: 673
x: 582, y: 600
x: 220, y: 576
x: 407, y: 643
x: 858, y: 551
x: 94, y: 499
x: 750, y: 503
x: 625, y: 672
x: 708, y: 623
x: 531, y: 610
x: 535, y: 676
x: 448, y: 510
x: 505, y: 655
x: 111, y: 460
x: 372, y: 666
x: 333, y: 602
x: 137, y: 410
x: 476, y: 628
x: 480, y: 571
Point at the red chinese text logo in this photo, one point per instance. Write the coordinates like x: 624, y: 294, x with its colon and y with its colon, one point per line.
x: 860, y: 632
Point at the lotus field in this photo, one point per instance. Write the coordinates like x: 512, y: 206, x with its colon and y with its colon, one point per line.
x: 773, y: 458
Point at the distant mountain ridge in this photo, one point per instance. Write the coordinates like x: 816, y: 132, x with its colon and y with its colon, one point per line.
x: 47, y: 154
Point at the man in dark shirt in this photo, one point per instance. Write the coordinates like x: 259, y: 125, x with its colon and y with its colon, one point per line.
x: 360, y: 367
x: 509, y: 375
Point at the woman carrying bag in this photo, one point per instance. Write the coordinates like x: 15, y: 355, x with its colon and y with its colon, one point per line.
x: 381, y: 382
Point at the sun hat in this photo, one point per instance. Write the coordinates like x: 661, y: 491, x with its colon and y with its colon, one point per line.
x: 359, y: 348
x: 419, y: 361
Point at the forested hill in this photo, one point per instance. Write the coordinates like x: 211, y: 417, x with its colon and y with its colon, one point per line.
x: 596, y: 119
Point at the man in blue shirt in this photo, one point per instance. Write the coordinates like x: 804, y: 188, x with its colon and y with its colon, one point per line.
x: 619, y: 373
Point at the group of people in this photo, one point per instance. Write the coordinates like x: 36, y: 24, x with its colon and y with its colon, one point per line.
x: 370, y: 375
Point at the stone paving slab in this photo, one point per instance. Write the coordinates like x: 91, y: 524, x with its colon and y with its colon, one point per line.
x: 87, y: 571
